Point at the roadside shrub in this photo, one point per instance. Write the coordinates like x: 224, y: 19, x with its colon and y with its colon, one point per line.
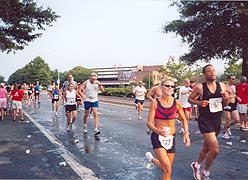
x: 118, y: 92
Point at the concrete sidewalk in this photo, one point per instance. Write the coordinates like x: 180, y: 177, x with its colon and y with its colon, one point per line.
x: 25, y: 153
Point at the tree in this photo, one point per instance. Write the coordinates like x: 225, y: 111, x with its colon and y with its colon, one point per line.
x: 35, y: 70
x: 213, y: 29
x: 234, y: 68
x: 148, y: 81
x: 80, y: 73
x: 179, y: 70
x: 19, y: 22
x: 1, y: 79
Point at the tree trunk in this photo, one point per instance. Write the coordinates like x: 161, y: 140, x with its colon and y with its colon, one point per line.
x: 245, y: 65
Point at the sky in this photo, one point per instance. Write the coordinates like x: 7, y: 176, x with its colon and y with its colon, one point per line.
x: 102, y: 33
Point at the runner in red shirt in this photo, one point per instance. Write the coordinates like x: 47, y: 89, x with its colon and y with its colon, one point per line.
x: 17, y: 96
x: 242, y: 92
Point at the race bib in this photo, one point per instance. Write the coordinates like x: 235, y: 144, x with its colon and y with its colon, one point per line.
x: 166, y: 141
x: 215, y: 105
x: 56, y: 96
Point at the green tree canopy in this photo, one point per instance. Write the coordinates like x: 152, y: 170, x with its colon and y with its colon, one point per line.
x: 35, y: 70
x: 213, y: 29
x: 80, y: 73
x: 19, y: 22
x: 148, y: 81
x: 1, y: 79
x: 178, y: 70
x: 234, y: 68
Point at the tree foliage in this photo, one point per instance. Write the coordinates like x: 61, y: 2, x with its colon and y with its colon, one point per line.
x: 178, y: 70
x: 19, y: 22
x: 234, y: 68
x: 148, y: 81
x: 1, y: 79
x: 80, y: 73
x: 213, y: 29
x: 35, y: 70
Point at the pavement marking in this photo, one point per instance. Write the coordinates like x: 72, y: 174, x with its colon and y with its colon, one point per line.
x: 82, y: 171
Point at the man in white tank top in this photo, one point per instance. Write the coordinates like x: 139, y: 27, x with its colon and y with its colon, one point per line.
x: 90, y: 89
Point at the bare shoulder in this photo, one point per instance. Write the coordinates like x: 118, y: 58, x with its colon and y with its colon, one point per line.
x: 198, y: 88
x: 222, y: 85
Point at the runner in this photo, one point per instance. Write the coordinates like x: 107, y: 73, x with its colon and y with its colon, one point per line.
x: 90, y: 89
x: 231, y: 109
x: 70, y: 106
x: 212, y: 96
x: 55, y: 96
x: 17, y: 97
x: 3, y: 100
x: 139, y: 92
x: 37, y: 92
x: 194, y: 106
x: 70, y: 79
x: 184, y: 93
x: 242, y: 92
x: 161, y: 120
x: 154, y: 92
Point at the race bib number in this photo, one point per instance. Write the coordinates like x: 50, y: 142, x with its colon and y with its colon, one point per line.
x: 166, y: 141
x: 56, y: 97
x: 215, y: 105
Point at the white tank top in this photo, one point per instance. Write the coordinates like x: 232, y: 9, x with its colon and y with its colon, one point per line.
x: 70, y: 97
x: 91, y: 92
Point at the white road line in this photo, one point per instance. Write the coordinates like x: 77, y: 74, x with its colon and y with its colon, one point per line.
x: 82, y: 171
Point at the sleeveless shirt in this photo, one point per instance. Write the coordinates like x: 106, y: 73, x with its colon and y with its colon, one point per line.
x: 70, y: 97
x: 207, y: 95
x: 166, y: 113
x: 91, y: 92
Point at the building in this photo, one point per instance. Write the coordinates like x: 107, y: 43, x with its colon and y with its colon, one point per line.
x: 124, y: 75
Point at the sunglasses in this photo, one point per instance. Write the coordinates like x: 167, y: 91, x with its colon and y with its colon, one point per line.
x: 166, y: 85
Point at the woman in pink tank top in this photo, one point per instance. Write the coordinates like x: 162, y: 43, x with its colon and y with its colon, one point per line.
x: 3, y: 99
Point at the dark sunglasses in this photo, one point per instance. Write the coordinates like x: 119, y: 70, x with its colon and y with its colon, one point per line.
x: 166, y: 85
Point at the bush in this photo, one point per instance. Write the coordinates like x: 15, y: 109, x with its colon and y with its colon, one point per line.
x: 118, y: 92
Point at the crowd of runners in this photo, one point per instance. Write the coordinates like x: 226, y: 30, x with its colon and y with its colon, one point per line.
x: 169, y: 104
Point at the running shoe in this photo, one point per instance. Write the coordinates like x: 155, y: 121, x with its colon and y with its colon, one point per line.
x: 196, y: 172
x: 72, y: 126
x: 140, y: 118
x: 148, y: 160
x: 97, y: 132
x: 68, y: 128
x: 204, y: 177
x: 229, y: 131
x: 225, y: 136
x: 85, y: 129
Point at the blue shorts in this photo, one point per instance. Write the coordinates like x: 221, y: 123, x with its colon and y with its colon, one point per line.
x: 88, y: 105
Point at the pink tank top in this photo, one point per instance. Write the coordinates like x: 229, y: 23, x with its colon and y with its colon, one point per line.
x: 2, y: 93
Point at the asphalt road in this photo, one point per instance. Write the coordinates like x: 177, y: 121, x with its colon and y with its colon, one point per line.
x: 118, y: 153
